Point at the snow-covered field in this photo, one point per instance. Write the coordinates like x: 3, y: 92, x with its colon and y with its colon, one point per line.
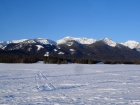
x: 71, y: 84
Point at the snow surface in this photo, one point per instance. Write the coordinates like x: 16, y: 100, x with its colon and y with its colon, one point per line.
x: 55, y: 49
x: 46, y: 54
x: 72, y: 50
x: 39, y: 47
x: 71, y: 84
x: 109, y: 42
x: 60, y: 52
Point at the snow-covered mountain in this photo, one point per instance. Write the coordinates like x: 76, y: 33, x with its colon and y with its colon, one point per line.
x: 72, y: 47
x: 109, y: 42
x: 68, y: 40
x: 4, y: 43
x: 131, y: 44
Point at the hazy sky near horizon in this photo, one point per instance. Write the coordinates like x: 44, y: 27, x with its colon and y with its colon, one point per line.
x: 118, y: 20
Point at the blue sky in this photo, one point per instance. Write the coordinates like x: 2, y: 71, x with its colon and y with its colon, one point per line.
x: 118, y: 20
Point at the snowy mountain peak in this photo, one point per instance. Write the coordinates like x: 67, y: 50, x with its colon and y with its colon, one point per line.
x: 18, y: 41
x: 30, y: 41
x: 45, y: 41
x: 64, y: 40
x: 68, y: 37
x: 109, y: 42
x: 79, y: 40
x: 85, y: 40
x: 4, y: 43
x: 131, y: 44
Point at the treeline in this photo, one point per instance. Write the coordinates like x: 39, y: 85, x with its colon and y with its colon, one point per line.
x: 19, y: 59
x: 56, y: 60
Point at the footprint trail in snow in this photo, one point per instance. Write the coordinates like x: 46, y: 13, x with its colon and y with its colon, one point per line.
x: 42, y: 82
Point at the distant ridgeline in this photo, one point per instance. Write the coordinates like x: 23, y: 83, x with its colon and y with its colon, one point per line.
x: 70, y: 50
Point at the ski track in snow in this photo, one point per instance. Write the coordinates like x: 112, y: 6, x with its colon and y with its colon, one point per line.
x: 72, y: 84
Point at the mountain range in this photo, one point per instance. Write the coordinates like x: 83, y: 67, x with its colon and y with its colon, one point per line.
x: 70, y: 47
